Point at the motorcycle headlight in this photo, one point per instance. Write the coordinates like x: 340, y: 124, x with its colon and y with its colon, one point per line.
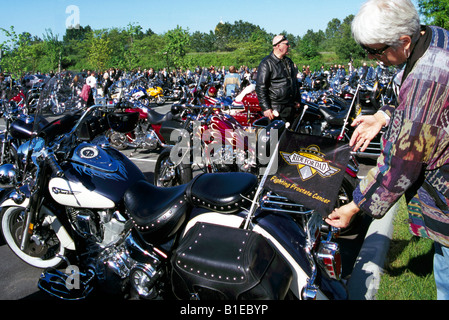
x: 8, y: 176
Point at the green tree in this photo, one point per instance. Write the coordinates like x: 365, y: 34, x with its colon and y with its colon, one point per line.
x: 226, y: 34
x: 16, y: 51
x: 99, y: 52
x: 250, y: 53
x: 131, y: 55
x: 435, y: 12
x: 346, y: 47
x: 150, y: 52
x: 53, y: 51
x: 309, y: 43
x: 79, y: 34
x: 222, y: 35
x: 332, y: 34
x: 202, y: 42
x: 177, y: 42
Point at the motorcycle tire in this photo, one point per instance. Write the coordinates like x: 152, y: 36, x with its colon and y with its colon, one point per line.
x: 166, y: 174
x: 160, y: 101
x: 40, y: 255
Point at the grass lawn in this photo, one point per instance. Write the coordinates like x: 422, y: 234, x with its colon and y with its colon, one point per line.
x: 409, y: 265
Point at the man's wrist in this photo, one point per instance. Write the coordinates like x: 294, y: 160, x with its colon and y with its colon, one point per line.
x: 383, y: 118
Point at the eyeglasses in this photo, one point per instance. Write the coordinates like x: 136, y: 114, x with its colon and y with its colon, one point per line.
x: 375, y: 52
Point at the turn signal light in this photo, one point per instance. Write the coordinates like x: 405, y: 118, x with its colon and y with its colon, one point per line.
x: 329, y: 258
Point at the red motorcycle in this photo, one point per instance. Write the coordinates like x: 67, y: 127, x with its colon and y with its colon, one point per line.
x: 213, y: 141
x: 153, y: 129
x: 244, y: 108
x: 17, y: 97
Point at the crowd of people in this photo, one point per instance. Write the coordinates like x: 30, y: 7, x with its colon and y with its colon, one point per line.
x: 233, y: 78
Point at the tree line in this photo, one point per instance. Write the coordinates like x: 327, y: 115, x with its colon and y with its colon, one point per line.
x: 238, y: 43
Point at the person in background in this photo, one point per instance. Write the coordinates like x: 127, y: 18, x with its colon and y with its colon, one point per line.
x: 91, y: 80
x: 231, y: 82
x: 107, y: 82
x: 277, y: 87
x: 415, y: 147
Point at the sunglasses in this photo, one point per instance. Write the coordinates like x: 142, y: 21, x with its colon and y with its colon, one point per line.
x: 375, y: 52
x: 283, y: 39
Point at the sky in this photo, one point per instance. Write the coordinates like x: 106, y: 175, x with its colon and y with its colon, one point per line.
x: 275, y: 16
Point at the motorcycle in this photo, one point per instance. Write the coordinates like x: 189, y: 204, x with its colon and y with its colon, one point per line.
x: 176, y: 89
x: 212, y: 141
x: 153, y: 130
x: 156, y: 93
x: 245, y: 108
x: 88, y: 207
x: 33, y: 96
x: 16, y: 135
x: 216, y: 143
x: 332, y: 120
x: 19, y: 98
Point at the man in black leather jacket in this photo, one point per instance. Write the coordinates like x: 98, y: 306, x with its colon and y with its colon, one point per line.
x: 277, y: 86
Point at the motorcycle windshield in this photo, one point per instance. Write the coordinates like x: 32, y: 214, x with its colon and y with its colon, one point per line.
x: 56, y: 97
x: 204, y: 78
x: 43, y: 101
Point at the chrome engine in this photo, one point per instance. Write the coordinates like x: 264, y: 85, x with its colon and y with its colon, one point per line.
x: 113, y: 269
x: 147, y: 140
x: 101, y: 227
x: 128, y: 263
x: 114, y: 266
x: 141, y: 139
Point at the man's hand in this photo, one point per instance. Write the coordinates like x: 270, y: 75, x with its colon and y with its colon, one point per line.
x: 367, y: 128
x: 270, y: 114
x: 341, y: 217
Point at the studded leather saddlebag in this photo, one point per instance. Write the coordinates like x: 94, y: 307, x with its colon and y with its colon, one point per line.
x: 222, y: 263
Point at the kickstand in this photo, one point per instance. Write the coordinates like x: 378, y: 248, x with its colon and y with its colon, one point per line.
x: 132, y: 153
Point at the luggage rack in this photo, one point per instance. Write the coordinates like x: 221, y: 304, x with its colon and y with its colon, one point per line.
x: 275, y: 203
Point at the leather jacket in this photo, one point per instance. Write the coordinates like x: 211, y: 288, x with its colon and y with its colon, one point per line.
x: 277, y: 83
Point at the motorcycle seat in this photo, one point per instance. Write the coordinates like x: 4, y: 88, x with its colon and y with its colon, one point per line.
x: 333, y: 118
x: 157, y: 213
x: 157, y: 118
x: 222, y: 192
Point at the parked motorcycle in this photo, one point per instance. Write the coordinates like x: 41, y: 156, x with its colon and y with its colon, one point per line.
x: 334, y: 119
x: 213, y: 142
x: 87, y: 206
x: 153, y: 130
x: 156, y: 93
x: 19, y: 97
x: 245, y: 108
x: 14, y: 139
x: 175, y: 90
x: 217, y: 144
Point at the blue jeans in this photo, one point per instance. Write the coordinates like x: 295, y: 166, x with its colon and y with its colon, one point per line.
x: 441, y: 271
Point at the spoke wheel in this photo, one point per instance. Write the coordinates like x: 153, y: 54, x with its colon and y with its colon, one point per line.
x: 44, y: 249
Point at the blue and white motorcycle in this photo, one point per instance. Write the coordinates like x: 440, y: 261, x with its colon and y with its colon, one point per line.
x: 84, y: 206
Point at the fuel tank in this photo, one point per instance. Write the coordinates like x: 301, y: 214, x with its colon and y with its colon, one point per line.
x: 22, y: 128
x: 94, y: 177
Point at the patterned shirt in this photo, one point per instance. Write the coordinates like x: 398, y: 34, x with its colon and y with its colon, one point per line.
x: 415, y: 148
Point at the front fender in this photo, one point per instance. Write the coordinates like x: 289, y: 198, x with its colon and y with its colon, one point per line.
x: 10, y: 197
